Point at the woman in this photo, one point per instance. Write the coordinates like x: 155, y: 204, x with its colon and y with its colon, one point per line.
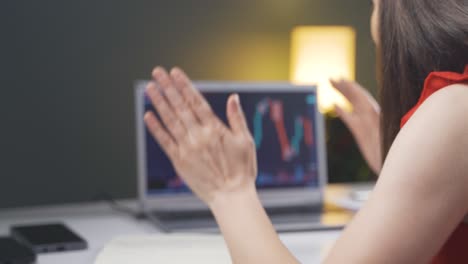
x: 415, y: 213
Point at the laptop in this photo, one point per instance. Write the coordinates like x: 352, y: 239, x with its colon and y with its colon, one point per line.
x: 288, y: 131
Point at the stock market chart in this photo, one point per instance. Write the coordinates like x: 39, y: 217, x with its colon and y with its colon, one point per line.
x: 283, y: 128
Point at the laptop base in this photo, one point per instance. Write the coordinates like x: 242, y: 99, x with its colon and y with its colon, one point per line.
x: 298, y: 219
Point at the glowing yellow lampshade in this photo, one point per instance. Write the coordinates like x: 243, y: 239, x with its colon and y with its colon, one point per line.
x: 319, y: 53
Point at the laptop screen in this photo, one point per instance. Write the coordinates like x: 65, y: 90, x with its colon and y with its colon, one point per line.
x: 283, y: 127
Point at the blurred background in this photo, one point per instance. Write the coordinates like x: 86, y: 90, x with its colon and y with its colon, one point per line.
x: 67, y: 70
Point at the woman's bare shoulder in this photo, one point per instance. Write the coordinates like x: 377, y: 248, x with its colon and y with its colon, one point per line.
x: 437, y: 133
x: 449, y: 102
x: 452, y: 93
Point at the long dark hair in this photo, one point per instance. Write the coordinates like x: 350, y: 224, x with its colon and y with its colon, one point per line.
x: 416, y: 37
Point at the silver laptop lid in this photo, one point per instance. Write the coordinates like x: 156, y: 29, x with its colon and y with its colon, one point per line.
x: 288, y: 131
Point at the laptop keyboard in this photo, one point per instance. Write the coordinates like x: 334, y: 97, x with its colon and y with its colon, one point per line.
x: 206, y: 214
x: 284, y: 219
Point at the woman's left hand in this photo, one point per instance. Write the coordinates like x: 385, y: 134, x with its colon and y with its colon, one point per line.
x: 212, y: 158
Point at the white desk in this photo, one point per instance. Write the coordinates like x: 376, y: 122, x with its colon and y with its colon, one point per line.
x: 98, y: 224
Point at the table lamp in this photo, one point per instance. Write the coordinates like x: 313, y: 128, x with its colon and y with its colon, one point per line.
x: 319, y: 53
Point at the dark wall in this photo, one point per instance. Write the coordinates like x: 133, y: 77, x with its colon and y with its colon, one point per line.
x: 67, y: 67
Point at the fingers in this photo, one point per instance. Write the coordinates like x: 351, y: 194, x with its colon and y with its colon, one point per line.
x: 342, y: 114
x: 235, y: 115
x: 169, y: 118
x: 166, y: 142
x: 352, y: 91
x: 193, y: 97
x: 174, y: 98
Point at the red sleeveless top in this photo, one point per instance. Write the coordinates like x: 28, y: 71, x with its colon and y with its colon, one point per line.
x: 455, y: 249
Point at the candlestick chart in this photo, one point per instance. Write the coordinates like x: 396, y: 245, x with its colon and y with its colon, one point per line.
x: 283, y: 133
x: 283, y: 128
x: 289, y: 146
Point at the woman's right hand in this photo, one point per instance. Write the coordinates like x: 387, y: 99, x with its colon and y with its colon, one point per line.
x: 363, y: 121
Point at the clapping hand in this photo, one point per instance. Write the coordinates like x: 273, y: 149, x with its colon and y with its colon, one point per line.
x: 213, y: 159
x: 363, y: 121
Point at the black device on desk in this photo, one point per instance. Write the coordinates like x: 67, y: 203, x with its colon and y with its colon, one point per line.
x: 12, y: 252
x: 48, y: 238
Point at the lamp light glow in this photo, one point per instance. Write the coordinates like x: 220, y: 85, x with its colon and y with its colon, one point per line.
x: 319, y: 53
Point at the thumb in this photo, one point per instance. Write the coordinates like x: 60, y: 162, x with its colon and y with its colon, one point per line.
x: 235, y: 115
